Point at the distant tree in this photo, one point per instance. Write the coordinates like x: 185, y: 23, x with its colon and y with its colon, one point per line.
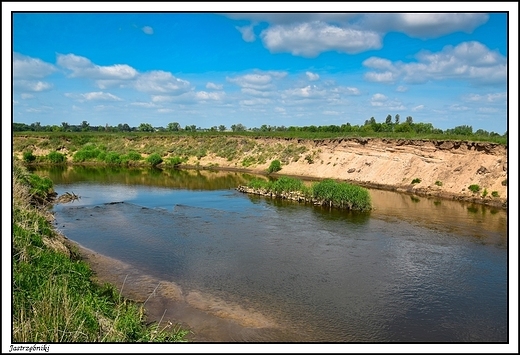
x: 397, y: 117
x: 409, y: 119
x: 221, y: 128
x: 85, y: 126
x: 145, y: 127
x: 173, y: 127
x: 36, y: 126
x: 65, y: 126
x: 388, y: 119
x: 238, y: 127
x: 372, y: 120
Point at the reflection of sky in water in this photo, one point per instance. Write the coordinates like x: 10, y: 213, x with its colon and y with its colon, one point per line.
x: 328, y: 275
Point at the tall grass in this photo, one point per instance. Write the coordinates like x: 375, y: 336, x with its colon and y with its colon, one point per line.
x: 54, y: 299
x: 326, y: 192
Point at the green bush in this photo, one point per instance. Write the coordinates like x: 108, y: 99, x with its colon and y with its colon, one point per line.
x: 416, y: 181
x: 134, y: 156
x: 342, y: 194
x: 28, y: 156
x: 438, y: 183
x: 112, y: 158
x: 474, y: 188
x: 56, y: 158
x: 87, y: 153
x: 274, y: 167
x: 154, y: 159
x: 504, y: 182
x: 495, y: 194
x: 175, y: 161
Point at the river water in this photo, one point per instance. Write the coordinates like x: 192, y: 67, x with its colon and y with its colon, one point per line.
x: 414, y: 269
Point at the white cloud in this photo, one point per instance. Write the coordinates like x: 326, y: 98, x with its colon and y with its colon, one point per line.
x: 214, y: 86
x: 500, y: 97
x: 307, y: 92
x: 26, y: 96
x: 148, y: 30
x: 402, y: 88
x: 83, y: 67
x: 255, y: 102
x: 247, y: 32
x: 418, y: 108
x: 99, y: 95
x: 25, y: 67
x: 143, y: 104
x: 254, y: 92
x: 346, y: 90
x: 32, y: 85
x: 378, y: 100
x: 165, y: 110
x: 457, y: 107
x: 311, y: 76
x: 159, y: 81
x: 312, y: 38
x: 203, y: 95
x: 253, y: 81
x: 309, y: 34
x: 332, y: 113
x: 471, y: 61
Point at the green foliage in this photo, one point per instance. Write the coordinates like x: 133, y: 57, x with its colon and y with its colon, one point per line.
x: 131, y: 156
x: 495, y: 194
x: 56, y: 158
x: 484, y: 193
x: 342, y: 194
x: 53, y: 297
x: 112, y: 158
x: 504, y: 182
x: 416, y: 181
x: 28, y: 156
x: 438, y: 183
x: 40, y: 186
x: 274, y: 167
x: 154, y: 159
x: 474, y: 188
x: 87, y: 153
x: 175, y: 161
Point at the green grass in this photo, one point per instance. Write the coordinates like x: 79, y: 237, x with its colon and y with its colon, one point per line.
x: 416, y: 181
x: 474, y: 188
x: 53, y: 297
x: 274, y: 166
x: 326, y: 192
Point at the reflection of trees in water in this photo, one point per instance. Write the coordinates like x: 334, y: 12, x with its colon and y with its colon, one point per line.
x: 190, y: 179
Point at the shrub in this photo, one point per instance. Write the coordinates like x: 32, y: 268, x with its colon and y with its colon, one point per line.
x: 176, y: 161
x: 416, y: 181
x: 112, y: 158
x: 474, y: 188
x: 484, y: 193
x: 274, y: 167
x: 342, y: 194
x: 495, y: 194
x: 56, y: 158
x: 154, y: 159
x: 438, y: 183
x: 28, y: 156
x: 504, y: 182
x: 131, y: 155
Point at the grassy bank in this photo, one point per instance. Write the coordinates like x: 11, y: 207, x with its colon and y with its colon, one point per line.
x: 54, y: 299
x: 327, y: 192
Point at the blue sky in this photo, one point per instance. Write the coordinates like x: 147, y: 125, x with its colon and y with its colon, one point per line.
x: 253, y: 68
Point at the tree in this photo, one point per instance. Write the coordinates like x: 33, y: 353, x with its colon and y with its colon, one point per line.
x: 221, y: 128
x: 65, y: 126
x: 409, y: 120
x: 173, y: 127
x: 397, y: 117
x: 238, y: 127
x: 145, y: 127
x: 85, y: 126
x: 388, y: 119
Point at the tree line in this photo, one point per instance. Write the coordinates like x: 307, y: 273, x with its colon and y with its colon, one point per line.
x: 391, y: 124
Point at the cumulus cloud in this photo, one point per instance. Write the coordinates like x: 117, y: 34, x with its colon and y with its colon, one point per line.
x: 214, y: 86
x: 247, y: 32
x: 378, y: 100
x: 312, y: 76
x: 494, y: 97
x: 32, y: 85
x: 307, y: 92
x: 83, y: 67
x: 204, y: 96
x: 312, y: 38
x: 159, y: 81
x: 255, y: 102
x: 100, y: 95
x: 418, y: 108
x: 148, y: 30
x: 471, y: 61
x: 253, y: 81
x: 25, y: 67
x: 309, y: 34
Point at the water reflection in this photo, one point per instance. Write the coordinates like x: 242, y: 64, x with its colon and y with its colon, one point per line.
x: 410, y: 270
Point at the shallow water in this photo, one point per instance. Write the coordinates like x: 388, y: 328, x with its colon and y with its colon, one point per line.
x: 413, y: 270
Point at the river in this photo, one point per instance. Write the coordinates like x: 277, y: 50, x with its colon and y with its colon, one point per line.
x: 234, y: 267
